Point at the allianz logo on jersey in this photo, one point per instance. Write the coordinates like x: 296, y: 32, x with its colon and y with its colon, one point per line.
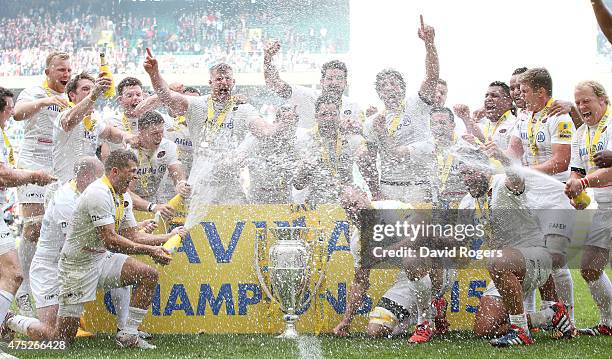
x: 229, y: 125
x: 151, y: 170
x: 541, y: 137
x: 183, y: 142
x: 54, y: 108
x: 583, y: 151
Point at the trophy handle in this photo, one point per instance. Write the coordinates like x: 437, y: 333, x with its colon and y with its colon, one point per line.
x: 262, y: 282
x: 317, y: 285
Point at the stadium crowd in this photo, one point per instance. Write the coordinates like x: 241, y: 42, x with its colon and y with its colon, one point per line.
x: 200, y: 36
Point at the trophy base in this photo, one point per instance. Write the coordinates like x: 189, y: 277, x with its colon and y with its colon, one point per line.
x: 289, y: 333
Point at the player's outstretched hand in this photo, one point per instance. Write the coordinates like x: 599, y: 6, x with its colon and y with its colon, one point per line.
x: 603, y: 159
x: 150, y: 64
x: 573, y: 187
x: 272, y: 48
x: 42, y: 178
x: 160, y: 255
x: 426, y: 32
x: 342, y: 329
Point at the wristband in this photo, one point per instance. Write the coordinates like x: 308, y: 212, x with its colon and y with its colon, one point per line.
x: 150, y: 207
x: 584, y: 182
x: 181, y: 181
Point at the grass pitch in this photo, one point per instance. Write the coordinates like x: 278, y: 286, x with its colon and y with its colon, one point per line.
x: 453, y: 345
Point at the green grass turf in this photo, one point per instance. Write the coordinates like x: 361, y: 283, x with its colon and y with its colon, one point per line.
x: 453, y: 345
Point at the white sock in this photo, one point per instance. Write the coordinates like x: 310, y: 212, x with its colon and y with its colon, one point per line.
x: 25, y: 252
x: 6, y: 299
x: 530, y: 302
x: 121, y: 301
x: 422, y: 289
x: 543, y: 318
x: 520, y: 320
x: 564, y: 285
x: 601, y: 290
x: 20, y: 324
x: 135, y: 317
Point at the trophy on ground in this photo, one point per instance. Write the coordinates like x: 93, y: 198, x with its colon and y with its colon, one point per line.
x: 290, y: 265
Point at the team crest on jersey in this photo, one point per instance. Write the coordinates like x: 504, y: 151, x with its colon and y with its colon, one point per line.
x: 126, y: 204
x: 161, y: 154
x: 347, y: 112
x: 235, y: 108
x: 541, y: 137
x: 565, y: 131
x: 503, y: 130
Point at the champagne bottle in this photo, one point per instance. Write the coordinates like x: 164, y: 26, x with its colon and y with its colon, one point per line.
x: 106, y: 69
x: 173, y: 243
x: 582, y: 199
x: 176, y: 202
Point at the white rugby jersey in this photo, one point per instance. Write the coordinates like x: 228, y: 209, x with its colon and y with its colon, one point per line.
x: 70, y: 146
x: 152, y: 167
x: 272, y: 164
x: 580, y: 156
x: 513, y: 224
x: 228, y: 137
x: 413, y: 130
x: 55, y: 223
x: 36, y: 148
x: 329, y: 174
x: 95, y: 207
x: 305, y: 98
x: 499, y: 132
x: 552, y: 130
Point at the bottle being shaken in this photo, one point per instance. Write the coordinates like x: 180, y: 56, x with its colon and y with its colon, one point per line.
x: 110, y: 93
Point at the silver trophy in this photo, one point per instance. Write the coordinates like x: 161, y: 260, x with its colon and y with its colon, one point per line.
x: 289, y: 264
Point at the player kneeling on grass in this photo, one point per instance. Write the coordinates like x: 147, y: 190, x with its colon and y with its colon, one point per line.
x: 398, y: 307
x: 104, y: 223
x: 523, y: 263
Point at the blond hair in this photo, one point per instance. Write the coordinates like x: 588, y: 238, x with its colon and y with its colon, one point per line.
x: 597, y: 88
x: 56, y: 54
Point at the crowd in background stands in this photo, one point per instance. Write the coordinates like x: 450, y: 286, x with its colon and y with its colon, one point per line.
x: 194, y: 38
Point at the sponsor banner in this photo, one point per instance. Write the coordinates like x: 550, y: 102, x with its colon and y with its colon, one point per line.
x: 211, y: 286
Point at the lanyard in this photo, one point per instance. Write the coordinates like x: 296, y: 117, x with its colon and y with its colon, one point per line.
x: 488, y: 133
x: 532, y: 134
x: 87, y: 121
x: 325, y: 155
x: 144, y: 177
x: 444, y: 166
x: 118, y: 200
x: 484, y: 213
x: 9, y: 147
x: 214, y: 128
x: 125, y: 123
x: 591, y: 144
x: 47, y: 89
x: 396, y: 119
x: 73, y: 186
